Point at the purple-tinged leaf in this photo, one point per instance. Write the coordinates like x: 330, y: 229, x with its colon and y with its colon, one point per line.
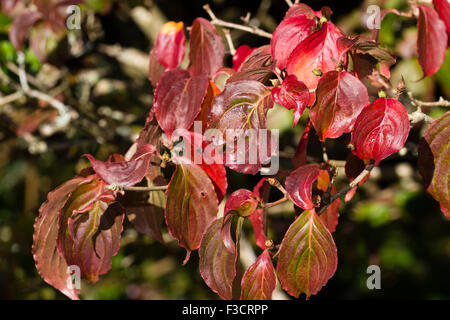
x: 257, y: 66
x: 89, y: 230
x: 434, y: 158
x: 259, y: 280
x: 178, y: 100
x: 21, y: 27
x: 308, y: 257
x: 191, y: 204
x: 217, y: 264
x: 124, y: 173
x: 206, y: 49
x: 50, y: 265
x: 239, y: 112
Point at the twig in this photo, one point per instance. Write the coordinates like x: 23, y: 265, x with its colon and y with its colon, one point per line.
x: 64, y: 110
x: 350, y: 186
x: 10, y: 98
x: 289, y: 3
x: 229, y: 41
x: 275, y: 203
x: 249, y: 29
x: 114, y: 187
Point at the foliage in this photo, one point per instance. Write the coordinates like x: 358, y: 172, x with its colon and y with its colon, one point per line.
x: 311, y: 65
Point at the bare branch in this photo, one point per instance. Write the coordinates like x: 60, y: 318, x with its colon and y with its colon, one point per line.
x: 289, y: 3
x: 221, y: 23
x: 229, y: 41
x: 10, y: 98
x: 64, y: 110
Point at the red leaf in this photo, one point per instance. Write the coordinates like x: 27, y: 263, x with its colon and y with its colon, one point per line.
x: 203, y: 116
x: 308, y: 256
x: 170, y: 44
x: 239, y: 112
x: 317, y: 51
x: 434, y: 155
x: 380, y: 130
x: 21, y: 26
x: 50, y: 265
x: 340, y: 97
x: 257, y: 220
x: 293, y: 94
x: 259, y: 280
x: 299, y: 185
x: 431, y: 40
x: 155, y: 69
x: 89, y: 230
x: 124, y: 173
x: 207, y: 51
x: 242, y: 52
x: 242, y: 201
x: 217, y: 265
x: 289, y: 33
x: 204, y: 154
x: 443, y: 9
x: 257, y: 66
x: 178, y: 100
x: 191, y: 204
x: 300, y: 9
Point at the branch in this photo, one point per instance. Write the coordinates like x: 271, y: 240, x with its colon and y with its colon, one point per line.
x: 10, y: 98
x: 350, y: 186
x: 64, y: 110
x: 289, y: 3
x: 229, y: 41
x: 249, y: 29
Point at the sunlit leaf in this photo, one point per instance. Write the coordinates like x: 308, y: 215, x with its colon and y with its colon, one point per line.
x: 299, y: 185
x: 217, y: 264
x: 340, y: 97
x: 308, y: 256
x: 259, y: 280
x: 380, y: 130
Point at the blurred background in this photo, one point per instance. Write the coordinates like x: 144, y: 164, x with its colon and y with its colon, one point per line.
x: 101, y: 71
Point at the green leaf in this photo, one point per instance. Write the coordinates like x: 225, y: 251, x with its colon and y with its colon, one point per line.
x: 308, y: 256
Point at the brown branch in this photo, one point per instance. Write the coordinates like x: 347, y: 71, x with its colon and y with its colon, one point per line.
x: 350, y: 186
x: 229, y: 41
x: 250, y: 29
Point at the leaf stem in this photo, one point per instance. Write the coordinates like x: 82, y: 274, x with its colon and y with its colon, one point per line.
x: 350, y: 186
